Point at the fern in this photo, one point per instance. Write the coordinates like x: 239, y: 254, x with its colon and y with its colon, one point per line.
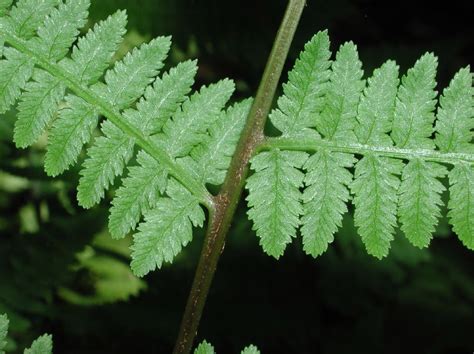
x: 180, y: 142
x: 206, y: 348
x: 42, y: 345
x: 382, y: 128
x: 374, y: 141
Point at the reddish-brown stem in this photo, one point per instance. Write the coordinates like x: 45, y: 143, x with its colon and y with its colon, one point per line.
x: 226, y: 201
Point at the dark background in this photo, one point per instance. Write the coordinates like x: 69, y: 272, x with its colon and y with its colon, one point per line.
x: 56, y: 259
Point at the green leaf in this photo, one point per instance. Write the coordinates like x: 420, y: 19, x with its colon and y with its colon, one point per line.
x: 4, y: 6
x: 128, y: 79
x: 377, y: 105
x: 375, y: 189
x: 37, y: 107
x: 188, y: 126
x: 71, y: 130
x: 94, y: 51
x: 416, y: 100
x: 42, y: 345
x: 60, y: 29
x: 420, y: 200
x: 274, y: 197
x: 303, y: 94
x: 204, y: 348
x: 456, y: 114
x: 27, y: 15
x: 324, y: 199
x: 162, y: 100
x: 251, y: 349
x: 138, y: 194
x: 337, y: 119
x: 3, y: 332
x: 15, y: 71
x: 166, y: 229
x: 214, y: 154
x: 107, y: 159
x: 461, y: 204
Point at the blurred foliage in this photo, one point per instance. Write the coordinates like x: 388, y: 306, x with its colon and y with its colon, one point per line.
x: 61, y: 273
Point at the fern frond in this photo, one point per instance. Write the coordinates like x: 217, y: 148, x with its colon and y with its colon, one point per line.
x: 376, y: 107
x: 211, y: 159
x: 189, y: 125
x: 15, y: 71
x: 302, y: 101
x: 251, y: 349
x: 42, y: 345
x: 327, y: 180
x: 143, y: 113
x: 3, y: 332
x: 107, y: 159
x: 71, y: 130
x: 37, y: 107
x: 139, y: 193
x: 127, y: 81
x: 461, y: 204
x: 414, y: 117
x: 94, y: 51
x: 375, y: 189
x: 342, y: 97
x: 274, y: 198
x: 166, y: 229
x: 27, y: 15
x: 366, y: 119
x: 204, y: 348
x: 455, y: 114
x: 420, y: 200
x: 61, y: 28
x: 162, y: 100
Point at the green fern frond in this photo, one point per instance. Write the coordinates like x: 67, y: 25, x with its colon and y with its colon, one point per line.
x: 143, y: 113
x: 27, y: 15
x: 204, y: 348
x: 420, y: 200
x: 189, y: 125
x: 274, y: 197
x: 166, y: 229
x: 455, y: 114
x: 342, y: 96
x: 375, y: 189
x: 327, y: 180
x: 42, y: 345
x: 414, y: 117
x: 302, y: 101
x: 251, y: 349
x: 107, y: 159
x: 397, y: 170
x: 211, y: 158
x: 139, y: 193
x: 15, y: 71
x: 461, y: 204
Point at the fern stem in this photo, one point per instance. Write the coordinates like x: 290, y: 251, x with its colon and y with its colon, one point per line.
x: 226, y: 201
x: 299, y: 144
x: 107, y: 110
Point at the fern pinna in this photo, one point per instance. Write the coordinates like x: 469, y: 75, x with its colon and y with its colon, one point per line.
x: 180, y: 142
x: 374, y: 141
x: 342, y: 138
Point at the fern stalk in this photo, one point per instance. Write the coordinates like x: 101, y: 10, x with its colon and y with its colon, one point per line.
x: 225, y: 203
x: 303, y: 144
